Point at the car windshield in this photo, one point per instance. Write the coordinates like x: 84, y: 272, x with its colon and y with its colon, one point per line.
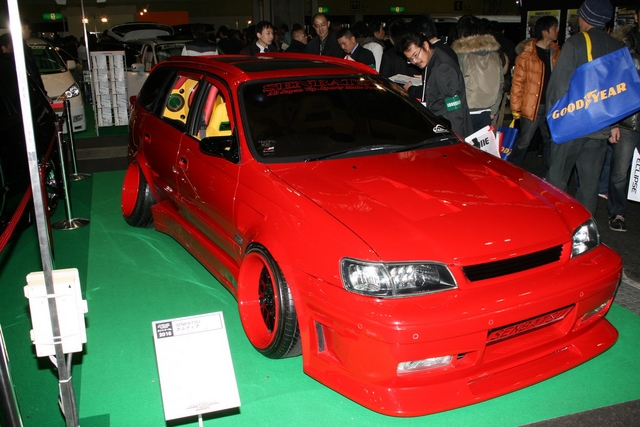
x: 47, y: 59
x: 308, y: 119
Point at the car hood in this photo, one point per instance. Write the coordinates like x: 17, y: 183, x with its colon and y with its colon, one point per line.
x: 443, y: 204
x: 57, y: 83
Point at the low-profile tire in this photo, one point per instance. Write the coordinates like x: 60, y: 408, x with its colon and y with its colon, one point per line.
x: 137, y: 198
x: 267, y: 311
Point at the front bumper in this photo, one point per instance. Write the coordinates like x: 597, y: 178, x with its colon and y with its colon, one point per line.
x: 78, y: 117
x: 353, y: 344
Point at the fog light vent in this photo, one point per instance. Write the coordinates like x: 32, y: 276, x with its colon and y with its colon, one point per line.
x: 320, y: 335
x: 424, y: 364
x: 596, y: 313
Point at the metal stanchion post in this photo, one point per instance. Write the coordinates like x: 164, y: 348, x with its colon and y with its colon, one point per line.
x: 75, y: 176
x: 9, y: 411
x: 69, y: 223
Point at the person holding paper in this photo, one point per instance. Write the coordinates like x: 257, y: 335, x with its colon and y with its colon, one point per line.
x: 352, y: 49
x: 443, y: 90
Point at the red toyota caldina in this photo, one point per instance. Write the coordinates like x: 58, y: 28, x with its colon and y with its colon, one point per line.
x: 413, y: 272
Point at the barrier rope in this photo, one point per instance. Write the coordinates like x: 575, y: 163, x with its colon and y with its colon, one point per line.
x: 17, y: 215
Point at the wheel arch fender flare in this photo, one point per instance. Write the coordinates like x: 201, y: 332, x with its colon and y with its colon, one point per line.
x: 140, y: 160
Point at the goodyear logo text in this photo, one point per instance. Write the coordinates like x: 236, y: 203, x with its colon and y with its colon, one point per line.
x: 591, y: 97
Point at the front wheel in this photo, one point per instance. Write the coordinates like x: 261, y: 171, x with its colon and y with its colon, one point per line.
x: 137, y: 198
x: 267, y: 311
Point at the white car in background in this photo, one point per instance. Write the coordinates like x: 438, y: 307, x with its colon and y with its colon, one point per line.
x: 151, y: 51
x: 58, y: 80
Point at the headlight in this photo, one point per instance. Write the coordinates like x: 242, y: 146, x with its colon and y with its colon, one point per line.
x: 395, y: 279
x: 71, y: 92
x: 585, y: 238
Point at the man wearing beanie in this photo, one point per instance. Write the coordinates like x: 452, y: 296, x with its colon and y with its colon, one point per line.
x: 585, y: 153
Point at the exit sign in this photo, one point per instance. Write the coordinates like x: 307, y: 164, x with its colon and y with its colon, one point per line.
x: 396, y: 9
x: 52, y: 16
x: 323, y: 10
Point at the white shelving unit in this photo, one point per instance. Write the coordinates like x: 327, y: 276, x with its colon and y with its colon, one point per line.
x: 110, y: 102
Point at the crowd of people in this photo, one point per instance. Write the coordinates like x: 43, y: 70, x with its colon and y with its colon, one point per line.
x: 472, y: 76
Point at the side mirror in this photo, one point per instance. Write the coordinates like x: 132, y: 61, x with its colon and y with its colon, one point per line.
x: 71, y: 64
x: 132, y: 101
x: 221, y: 146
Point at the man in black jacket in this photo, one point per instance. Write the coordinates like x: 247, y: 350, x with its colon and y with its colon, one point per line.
x: 325, y: 42
x: 442, y: 91
x: 229, y: 42
x: 352, y: 49
x: 298, y: 41
x: 393, y: 62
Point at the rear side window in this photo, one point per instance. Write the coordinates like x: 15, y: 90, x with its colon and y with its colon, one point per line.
x: 214, y: 119
x: 178, y: 104
x: 152, y: 93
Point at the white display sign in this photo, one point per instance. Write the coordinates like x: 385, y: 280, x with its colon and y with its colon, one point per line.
x: 195, y: 366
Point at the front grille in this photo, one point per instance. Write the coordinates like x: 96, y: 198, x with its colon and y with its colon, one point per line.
x: 512, y: 265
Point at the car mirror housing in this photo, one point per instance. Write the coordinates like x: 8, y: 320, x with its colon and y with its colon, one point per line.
x: 221, y: 146
x: 71, y: 64
x: 137, y: 67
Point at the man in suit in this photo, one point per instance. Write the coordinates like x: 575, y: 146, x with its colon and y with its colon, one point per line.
x: 353, y: 50
x: 263, y: 42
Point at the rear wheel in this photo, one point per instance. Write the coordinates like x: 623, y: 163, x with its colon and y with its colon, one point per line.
x: 137, y: 198
x: 266, y: 306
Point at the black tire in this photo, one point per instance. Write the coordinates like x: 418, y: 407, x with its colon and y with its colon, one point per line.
x: 137, y: 198
x: 267, y: 310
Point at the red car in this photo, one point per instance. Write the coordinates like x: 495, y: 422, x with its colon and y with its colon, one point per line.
x: 412, y: 271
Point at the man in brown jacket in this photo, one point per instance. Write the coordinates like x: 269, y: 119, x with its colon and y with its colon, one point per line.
x: 530, y: 77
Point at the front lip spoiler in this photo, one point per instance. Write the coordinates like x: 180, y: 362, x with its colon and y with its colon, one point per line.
x: 437, y: 396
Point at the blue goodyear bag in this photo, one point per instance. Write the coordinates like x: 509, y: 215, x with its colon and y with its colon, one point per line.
x: 508, y: 136
x: 601, y: 92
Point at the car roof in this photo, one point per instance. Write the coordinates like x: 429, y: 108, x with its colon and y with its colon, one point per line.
x: 138, y: 30
x: 240, y: 68
x: 156, y: 42
x: 35, y: 41
x: 126, y: 27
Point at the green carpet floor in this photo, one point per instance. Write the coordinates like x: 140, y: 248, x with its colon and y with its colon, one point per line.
x: 132, y: 277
